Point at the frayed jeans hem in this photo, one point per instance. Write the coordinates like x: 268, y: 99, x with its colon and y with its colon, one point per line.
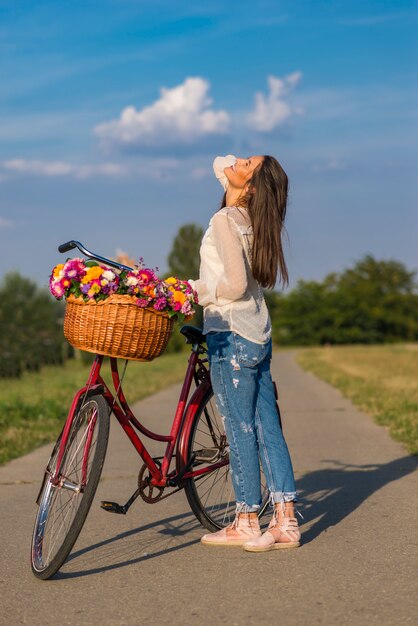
x: 241, y: 507
x: 282, y: 496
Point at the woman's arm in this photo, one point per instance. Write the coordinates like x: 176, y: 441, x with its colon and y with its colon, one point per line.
x: 234, y: 282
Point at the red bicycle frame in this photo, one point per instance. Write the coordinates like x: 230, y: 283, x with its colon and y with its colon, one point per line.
x: 176, y: 440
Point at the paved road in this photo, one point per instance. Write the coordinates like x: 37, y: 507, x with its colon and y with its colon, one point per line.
x: 358, y: 564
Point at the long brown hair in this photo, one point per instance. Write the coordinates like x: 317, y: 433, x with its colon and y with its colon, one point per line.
x: 266, y: 202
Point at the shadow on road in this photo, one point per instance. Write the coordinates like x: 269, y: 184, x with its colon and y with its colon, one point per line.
x: 329, y: 495
x: 116, y: 552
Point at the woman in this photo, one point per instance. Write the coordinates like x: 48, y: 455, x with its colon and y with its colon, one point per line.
x: 241, y: 253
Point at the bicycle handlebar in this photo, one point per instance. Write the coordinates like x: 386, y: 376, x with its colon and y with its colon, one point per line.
x: 64, y: 247
x: 70, y: 245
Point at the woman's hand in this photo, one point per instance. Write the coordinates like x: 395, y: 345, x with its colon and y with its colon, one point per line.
x: 219, y: 165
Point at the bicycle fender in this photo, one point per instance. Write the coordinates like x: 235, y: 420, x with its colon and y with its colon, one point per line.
x: 195, y: 401
x: 79, y: 398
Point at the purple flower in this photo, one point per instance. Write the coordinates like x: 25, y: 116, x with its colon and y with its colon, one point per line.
x: 160, y: 304
x: 110, y: 287
x: 142, y: 302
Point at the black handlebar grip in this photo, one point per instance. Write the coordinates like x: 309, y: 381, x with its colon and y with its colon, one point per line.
x: 64, y: 247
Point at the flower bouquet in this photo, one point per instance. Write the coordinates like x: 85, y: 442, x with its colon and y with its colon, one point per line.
x: 127, y: 315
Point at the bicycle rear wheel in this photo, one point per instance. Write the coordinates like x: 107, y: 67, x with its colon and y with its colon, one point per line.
x: 63, y: 507
x: 211, y: 495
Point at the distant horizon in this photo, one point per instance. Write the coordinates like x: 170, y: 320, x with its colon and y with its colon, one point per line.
x: 161, y: 271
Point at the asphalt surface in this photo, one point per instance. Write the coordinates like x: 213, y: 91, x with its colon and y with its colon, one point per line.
x: 358, y: 563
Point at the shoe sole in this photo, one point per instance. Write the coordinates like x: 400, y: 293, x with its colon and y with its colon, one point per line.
x: 275, y: 546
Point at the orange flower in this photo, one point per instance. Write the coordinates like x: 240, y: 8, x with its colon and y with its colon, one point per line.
x: 92, y: 273
x: 149, y: 290
x: 57, y: 270
x: 179, y: 296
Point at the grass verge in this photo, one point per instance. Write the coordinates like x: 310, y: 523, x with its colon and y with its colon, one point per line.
x: 380, y: 380
x: 34, y: 407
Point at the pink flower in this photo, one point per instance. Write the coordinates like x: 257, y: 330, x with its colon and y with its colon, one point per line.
x: 74, y: 269
x: 142, y: 302
x: 57, y: 289
x: 186, y: 309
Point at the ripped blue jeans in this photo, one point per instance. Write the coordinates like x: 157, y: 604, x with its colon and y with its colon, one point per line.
x: 245, y: 398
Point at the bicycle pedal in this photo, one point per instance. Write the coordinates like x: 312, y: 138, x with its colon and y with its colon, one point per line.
x: 113, y: 507
x: 208, y: 455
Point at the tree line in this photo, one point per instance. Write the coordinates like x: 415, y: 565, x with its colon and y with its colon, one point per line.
x: 372, y: 302
x: 375, y: 301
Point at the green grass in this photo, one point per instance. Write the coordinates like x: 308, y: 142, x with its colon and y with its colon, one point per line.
x: 34, y: 407
x: 380, y: 380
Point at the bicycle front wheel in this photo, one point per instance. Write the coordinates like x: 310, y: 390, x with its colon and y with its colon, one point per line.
x: 65, y: 503
x: 211, y: 495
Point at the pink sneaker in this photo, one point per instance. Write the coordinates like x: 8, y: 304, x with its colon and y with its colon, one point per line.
x: 245, y: 526
x: 283, y: 532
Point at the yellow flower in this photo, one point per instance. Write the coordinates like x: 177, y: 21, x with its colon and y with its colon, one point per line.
x: 171, y: 280
x: 92, y: 273
x: 95, y: 288
x: 57, y: 270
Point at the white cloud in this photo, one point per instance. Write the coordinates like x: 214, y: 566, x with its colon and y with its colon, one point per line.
x: 331, y: 165
x: 155, y: 169
x: 181, y: 114
x: 273, y: 109
x: 6, y: 223
x: 61, y: 168
x: 371, y: 20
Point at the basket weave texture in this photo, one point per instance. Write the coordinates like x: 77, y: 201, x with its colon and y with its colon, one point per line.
x: 117, y: 327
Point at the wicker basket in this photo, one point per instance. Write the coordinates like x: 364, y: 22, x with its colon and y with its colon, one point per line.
x: 117, y: 327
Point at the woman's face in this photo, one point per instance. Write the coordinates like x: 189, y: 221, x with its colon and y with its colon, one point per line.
x: 240, y: 173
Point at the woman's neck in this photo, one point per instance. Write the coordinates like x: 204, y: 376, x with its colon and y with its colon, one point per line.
x: 234, y: 196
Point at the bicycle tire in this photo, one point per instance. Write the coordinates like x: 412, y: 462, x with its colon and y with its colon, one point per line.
x: 63, y: 508
x: 213, y: 507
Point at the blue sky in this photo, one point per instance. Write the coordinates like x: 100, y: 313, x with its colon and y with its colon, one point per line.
x: 112, y: 111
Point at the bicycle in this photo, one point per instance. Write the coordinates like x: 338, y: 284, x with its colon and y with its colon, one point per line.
x: 196, y: 445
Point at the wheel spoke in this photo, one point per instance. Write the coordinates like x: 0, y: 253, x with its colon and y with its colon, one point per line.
x: 211, y: 495
x: 59, y: 519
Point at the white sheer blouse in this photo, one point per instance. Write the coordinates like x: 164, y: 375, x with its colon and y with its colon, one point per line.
x: 232, y: 299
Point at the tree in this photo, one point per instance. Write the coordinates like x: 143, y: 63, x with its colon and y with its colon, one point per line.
x: 184, y: 259
x: 184, y: 262
x: 31, y: 326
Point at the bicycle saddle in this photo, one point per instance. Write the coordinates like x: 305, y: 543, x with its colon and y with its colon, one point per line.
x: 192, y: 334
